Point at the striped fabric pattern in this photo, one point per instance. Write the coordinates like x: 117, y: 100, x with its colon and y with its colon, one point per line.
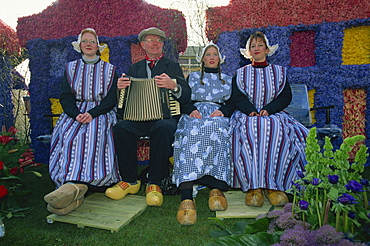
x: 85, y: 152
x: 267, y: 151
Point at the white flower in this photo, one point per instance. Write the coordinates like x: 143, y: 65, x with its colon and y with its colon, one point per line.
x: 185, y: 140
x: 194, y: 131
x: 208, y: 123
x: 215, y: 91
x: 206, y: 153
x: 194, y: 147
x: 182, y: 156
x: 200, y: 90
x: 214, y: 137
x: 199, y: 164
x: 209, y: 97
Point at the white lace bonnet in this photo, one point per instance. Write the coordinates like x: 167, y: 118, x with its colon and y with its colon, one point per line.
x: 76, y: 44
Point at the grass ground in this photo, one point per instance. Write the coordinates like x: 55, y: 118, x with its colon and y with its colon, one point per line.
x: 155, y: 226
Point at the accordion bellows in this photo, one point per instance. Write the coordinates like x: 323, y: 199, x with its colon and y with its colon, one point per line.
x: 144, y: 101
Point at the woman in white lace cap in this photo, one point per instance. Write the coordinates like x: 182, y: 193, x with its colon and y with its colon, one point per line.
x: 202, y: 144
x: 82, y: 154
x: 268, y: 144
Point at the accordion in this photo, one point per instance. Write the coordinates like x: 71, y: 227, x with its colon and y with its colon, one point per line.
x: 144, y: 101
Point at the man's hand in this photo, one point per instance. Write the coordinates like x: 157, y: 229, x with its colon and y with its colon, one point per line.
x: 123, y: 82
x: 164, y: 81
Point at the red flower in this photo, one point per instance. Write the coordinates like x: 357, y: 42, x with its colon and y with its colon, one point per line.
x: 1, y: 165
x: 12, y: 130
x: 3, y: 191
x: 13, y: 171
x: 6, y: 139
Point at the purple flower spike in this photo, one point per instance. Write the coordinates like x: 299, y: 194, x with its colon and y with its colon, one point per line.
x: 352, y: 215
x: 354, y: 186
x: 303, y: 204
x: 315, y: 181
x: 333, y: 179
x: 300, y: 174
x: 346, y: 199
x: 364, y: 182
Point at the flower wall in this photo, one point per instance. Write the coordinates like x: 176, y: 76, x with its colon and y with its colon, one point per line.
x: 240, y: 14
x: 47, y: 64
x: 8, y: 40
x: 110, y: 18
x: 326, y: 73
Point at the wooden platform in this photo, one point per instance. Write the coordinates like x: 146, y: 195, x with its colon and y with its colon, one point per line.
x: 98, y: 211
x: 238, y: 209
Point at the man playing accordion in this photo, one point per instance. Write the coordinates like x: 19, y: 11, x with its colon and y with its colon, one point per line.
x: 168, y: 75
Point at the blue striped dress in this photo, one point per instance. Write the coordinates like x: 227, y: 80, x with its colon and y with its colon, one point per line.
x: 85, y: 152
x: 269, y: 150
x: 203, y: 146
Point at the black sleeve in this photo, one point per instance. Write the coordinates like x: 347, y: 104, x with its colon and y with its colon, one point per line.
x: 241, y: 101
x: 108, y: 102
x: 68, y: 99
x: 281, y: 101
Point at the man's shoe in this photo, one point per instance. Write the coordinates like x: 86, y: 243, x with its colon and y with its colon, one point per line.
x: 121, y: 189
x: 65, y: 195
x: 254, y: 198
x: 154, y: 195
x: 276, y: 197
x: 217, y: 200
x: 66, y: 210
x: 186, y: 214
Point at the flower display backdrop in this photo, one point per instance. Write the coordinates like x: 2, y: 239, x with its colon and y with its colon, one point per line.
x: 328, y: 76
x: 240, y: 14
x: 47, y: 63
x: 8, y: 40
x: 110, y: 18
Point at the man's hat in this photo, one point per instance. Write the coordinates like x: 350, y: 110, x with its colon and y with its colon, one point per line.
x: 152, y: 31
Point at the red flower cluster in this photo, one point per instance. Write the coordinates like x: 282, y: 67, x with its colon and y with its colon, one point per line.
x: 109, y: 18
x: 8, y: 39
x: 241, y: 14
x: 302, y: 49
x: 3, y: 191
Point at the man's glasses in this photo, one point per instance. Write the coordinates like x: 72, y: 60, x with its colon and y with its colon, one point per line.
x: 158, y: 40
x: 88, y: 41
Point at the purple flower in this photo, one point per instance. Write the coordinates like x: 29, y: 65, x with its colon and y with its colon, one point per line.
x: 315, y: 181
x: 333, y: 179
x: 346, y: 199
x: 300, y: 174
x: 354, y: 186
x: 296, y: 185
x: 303, y: 204
x: 364, y: 182
x: 351, y: 215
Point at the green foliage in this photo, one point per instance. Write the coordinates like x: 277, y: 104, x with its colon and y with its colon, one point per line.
x: 324, y: 195
x: 243, y: 233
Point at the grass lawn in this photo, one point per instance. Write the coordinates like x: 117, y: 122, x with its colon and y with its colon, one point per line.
x: 155, y: 226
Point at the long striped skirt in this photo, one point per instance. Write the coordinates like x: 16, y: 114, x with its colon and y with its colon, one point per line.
x: 267, y: 151
x: 84, y: 152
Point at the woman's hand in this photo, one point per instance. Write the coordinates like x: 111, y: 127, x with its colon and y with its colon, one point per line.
x: 84, y: 118
x: 195, y: 114
x: 264, y: 112
x: 216, y: 113
x: 254, y: 113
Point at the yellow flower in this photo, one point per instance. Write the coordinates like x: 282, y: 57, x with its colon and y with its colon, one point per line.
x: 105, y: 54
x: 56, y: 108
x: 356, y: 46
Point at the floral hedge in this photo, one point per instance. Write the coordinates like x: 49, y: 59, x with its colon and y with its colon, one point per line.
x: 47, y: 64
x: 326, y: 73
x: 240, y: 14
x: 110, y: 18
x: 8, y: 40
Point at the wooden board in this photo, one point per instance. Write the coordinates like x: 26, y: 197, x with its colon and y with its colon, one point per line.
x: 238, y: 209
x: 101, y: 212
